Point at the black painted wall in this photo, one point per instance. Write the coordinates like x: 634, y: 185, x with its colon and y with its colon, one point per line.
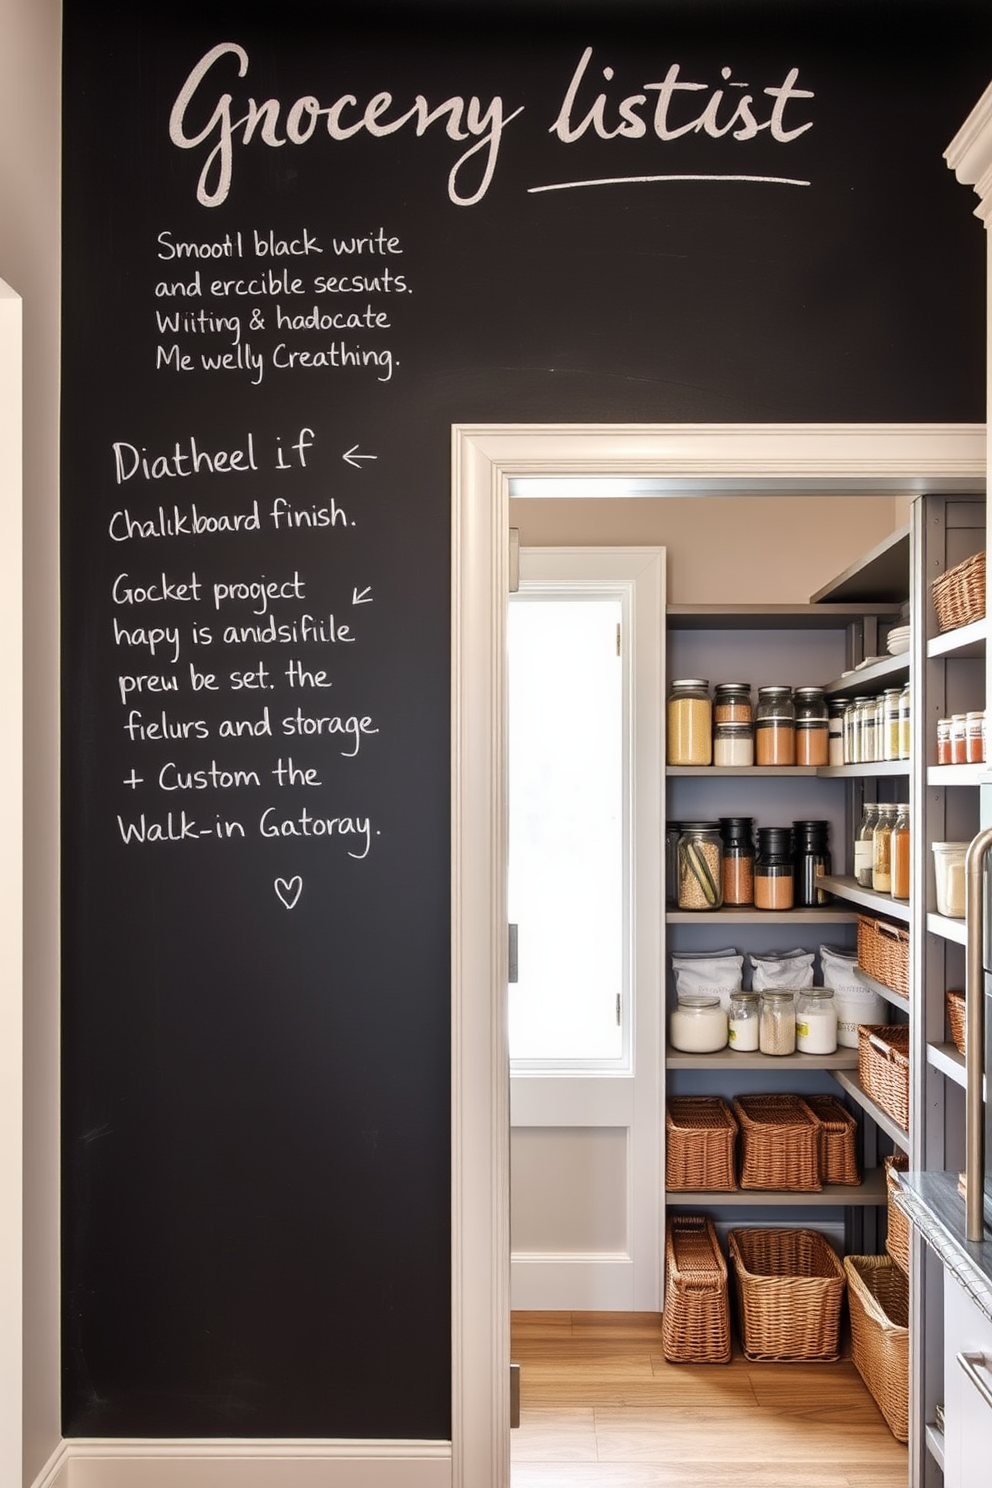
x: 256, y: 552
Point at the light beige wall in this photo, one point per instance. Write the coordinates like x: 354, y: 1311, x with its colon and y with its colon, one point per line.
x: 29, y: 242
x: 723, y: 549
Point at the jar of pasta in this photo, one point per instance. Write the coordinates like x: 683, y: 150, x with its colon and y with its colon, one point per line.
x: 690, y: 722
x: 700, y: 866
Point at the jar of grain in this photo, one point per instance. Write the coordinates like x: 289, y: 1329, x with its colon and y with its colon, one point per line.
x: 775, y: 727
x: 737, y: 833
x: 900, y: 853
x: 881, y: 870
x: 700, y: 866
x: 732, y: 703
x: 690, y: 722
x: 777, y: 1024
x: 812, y: 727
x: 773, y: 872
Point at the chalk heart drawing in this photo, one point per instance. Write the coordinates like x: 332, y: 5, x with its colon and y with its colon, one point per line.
x: 289, y: 890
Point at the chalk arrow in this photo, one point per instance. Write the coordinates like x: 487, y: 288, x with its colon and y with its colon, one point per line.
x: 353, y: 459
x: 364, y: 598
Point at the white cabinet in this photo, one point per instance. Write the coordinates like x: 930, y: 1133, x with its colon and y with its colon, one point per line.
x: 967, y: 1390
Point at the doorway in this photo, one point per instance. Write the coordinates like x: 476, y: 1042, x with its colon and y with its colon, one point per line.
x: 694, y: 460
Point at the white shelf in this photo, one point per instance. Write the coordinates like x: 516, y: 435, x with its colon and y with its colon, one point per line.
x: 853, y: 1086
x: 876, y: 769
x: 967, y: 640
x: 947, y: 1059
x: 869, y: 1192
x: 948, y: 929
x: 883, y: 904
x: 867, y: 679
x: 752, y: 771
x: 935, y: 1443
x: 726, y: 1059
x: 959, y: 774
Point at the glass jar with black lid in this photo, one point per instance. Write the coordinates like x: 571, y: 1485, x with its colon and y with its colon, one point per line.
x: 774, y: 886
x: 812, y: 863
x: 737, y: 833
x: 775, y: 727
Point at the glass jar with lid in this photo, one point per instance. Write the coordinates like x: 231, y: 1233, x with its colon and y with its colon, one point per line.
x: 773, y: 869
x: 905, y: 721
x: 812, y: 727
x: 690, y: 722
x: 900, y: 852
x: 867, y: 717
x: 891, y: 726
x: 732, y: 703
x: 835, y: 731
x: 775, y: 727
x: 811, y: 857
x: 700, y: 866
x: 864, y: 845
x: 737, y: 833
x: 881, y: 869
x: 777, y: 1022
x: 733, y: 744
x: 744, y: 1021
x: 816, y: 1021
x: 698, y: 1024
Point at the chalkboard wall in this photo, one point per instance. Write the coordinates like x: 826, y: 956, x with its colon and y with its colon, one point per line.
x: 298, y: 246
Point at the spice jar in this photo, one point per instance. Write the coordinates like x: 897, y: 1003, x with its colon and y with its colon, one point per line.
x: 881, y: 868
x: 852, y: 739
x: 975, y: 737
x: 777, y: 1022
x: 690, y: 722
x: 905, y: 721
x: 816, y: 1021
x: 835, y: 732
x: 812, y: 727
x: 811, y: 857
x: 959, y: 739
x: 900, y: 853
x: 867, y: 714
x: 943, y: 741
x: 775, y: 727
x: 744, y: 1021
x: 698, y: 1024
x: 773, y: 873
x: 864, y: 845
x: 732, y: 703
x: 737, y: 833
x: 700, y: 866
x: 890, y: 723
x: 733, y: 744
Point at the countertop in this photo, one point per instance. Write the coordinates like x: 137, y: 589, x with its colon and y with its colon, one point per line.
x: 936, y: 1208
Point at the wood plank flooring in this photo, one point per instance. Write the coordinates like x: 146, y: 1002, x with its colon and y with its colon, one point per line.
x: 601, y: 1408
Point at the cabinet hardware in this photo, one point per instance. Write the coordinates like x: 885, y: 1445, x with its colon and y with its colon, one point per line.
x: 971, y: 1364
x: 512, y: 967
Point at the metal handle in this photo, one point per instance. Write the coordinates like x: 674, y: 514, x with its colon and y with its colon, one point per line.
x: 974, y: 862
x: 971, y: 1364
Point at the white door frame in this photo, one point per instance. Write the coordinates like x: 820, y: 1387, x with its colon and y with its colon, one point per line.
x: 721, y: 459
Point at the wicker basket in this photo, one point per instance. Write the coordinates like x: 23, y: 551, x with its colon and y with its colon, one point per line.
x: 897, y: 1238
x: 878, y: 1294
x: 959, y: 594
x: 883, y: 1067
x: 695, y: 1325
x: 838, y: 1139
x: 790, y: 1286
x: 883, y: 953
x: 955, y: 1005
x: 780, y: 1143
x: 700, y: 1132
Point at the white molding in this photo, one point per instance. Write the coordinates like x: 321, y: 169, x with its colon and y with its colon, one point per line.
x: 55, y: 1473
x: 894, y: 457
x: 237, y: 1463
x: 969, y: 155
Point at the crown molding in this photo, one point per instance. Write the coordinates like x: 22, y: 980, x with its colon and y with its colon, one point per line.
x: 969, y: 155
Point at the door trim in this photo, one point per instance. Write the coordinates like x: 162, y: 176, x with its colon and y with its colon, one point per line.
x: 724, y: 458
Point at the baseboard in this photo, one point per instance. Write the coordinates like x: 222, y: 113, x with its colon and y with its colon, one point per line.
x: 248, y: 1464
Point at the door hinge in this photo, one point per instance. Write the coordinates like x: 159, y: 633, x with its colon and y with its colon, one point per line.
x: 618, y: 639
x: 618, y: 1009
x: 511, y: 959
x: 513, y: 561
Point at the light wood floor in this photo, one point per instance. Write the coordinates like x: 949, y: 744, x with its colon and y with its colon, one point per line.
x: 601, y: 1408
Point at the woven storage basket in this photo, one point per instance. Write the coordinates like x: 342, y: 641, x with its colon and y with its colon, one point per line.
x: 955, y: 1005
x: 959, y: 594
x: 883, y: 953
x: 878, y: 1296
x: 780, y: 1143
x: 790, y: 1286
x: 883, y: 1067
x: 695, y: 1325
x: 700, y: 1131
x: 897, y: 1238
x: 838, y: 1139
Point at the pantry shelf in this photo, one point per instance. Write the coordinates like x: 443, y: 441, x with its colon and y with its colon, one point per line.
x: 770, y: 617
x: 849, y: 888
x: 959, y: 774
x: 751, y: 771
x: 967, y: 640
x: 897, y: 999
x: 828, y: 914
x: 948, y: 1060
x: 877, y: 768
x: 863, y: 679
x: 869, y: 1192
x: 946, y: 928
x: 773, y: 1063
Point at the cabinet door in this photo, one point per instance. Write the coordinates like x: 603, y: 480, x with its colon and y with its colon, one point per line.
x: 967, y: 1388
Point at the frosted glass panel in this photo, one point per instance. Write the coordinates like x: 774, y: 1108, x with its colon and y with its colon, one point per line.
x: 566, y: 862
